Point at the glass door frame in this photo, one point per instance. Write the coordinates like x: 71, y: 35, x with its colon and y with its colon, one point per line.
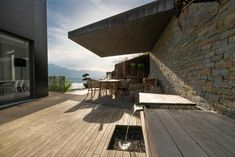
x: 31, y: 70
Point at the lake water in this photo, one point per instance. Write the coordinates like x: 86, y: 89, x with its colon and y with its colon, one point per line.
x: 77, y: 83
x: 75, y: 80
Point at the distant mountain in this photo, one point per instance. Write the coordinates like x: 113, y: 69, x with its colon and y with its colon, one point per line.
x: 55, y: 70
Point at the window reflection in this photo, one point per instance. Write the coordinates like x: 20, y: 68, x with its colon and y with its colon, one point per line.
x: 14, y: 68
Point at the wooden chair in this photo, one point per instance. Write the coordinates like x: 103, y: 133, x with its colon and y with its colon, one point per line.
x: 10, y: 87
x: 149, y: 83
x: 20, y: 86
x: 124, y: 86
x: 93, y: 86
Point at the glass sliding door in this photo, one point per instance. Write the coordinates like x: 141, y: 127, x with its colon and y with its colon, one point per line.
x: 14, y: 68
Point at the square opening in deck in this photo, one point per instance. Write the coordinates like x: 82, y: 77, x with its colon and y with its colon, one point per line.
x: 135, y: 136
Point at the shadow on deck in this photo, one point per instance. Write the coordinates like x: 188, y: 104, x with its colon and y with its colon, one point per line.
x: 21, y: 110
x: 64, y: 125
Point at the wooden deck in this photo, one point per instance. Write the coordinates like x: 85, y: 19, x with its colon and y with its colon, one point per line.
x: 62, y: 125
x: 191, y: 133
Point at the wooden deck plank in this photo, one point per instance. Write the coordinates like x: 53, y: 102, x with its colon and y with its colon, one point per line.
x: 73, y: 143
x: 126, y: 154
x: 103, y: 145
x: 142, y: 154
x: 68, y: 128
x: 219, y: 136
x: 83, y: 130
x: 207, y: 144
x: 145, y: 136
x: 97, y: 149
x: 224, y: 124
x: 31, y: 133
x: 98, y: 139
x: 13, y: 113
x: 163, y: 145
x: 61, y: 139
x: 182, y: 139
x: 90, y: 139
x: 34, y: 125
x: 34, y: 116
x: 105, y: 152
x: 79, y: 142
x: 49, y: 137
x: 21, y: 125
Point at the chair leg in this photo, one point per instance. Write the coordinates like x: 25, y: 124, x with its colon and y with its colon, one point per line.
x: 91, y: 92
x: 88, y: 92
x: 94, y: 92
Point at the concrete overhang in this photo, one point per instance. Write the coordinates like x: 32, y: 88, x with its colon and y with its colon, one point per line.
x: 134, y: 31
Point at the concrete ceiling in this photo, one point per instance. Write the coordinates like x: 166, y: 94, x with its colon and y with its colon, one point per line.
x: 133, y: 31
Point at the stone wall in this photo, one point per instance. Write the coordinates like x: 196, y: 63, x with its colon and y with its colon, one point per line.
x: 198, y: 63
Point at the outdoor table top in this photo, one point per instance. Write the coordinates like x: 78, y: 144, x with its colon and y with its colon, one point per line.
x: 149, y: 98
x: 109, y: 80
x: 191, y: 133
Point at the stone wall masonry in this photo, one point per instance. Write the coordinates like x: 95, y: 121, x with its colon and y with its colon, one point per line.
x: 198, y: 63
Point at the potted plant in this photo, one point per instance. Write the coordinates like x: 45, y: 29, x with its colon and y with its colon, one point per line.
x: 85, y: 78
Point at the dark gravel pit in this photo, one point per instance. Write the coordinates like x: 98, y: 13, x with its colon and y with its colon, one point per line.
x: 135, y: 136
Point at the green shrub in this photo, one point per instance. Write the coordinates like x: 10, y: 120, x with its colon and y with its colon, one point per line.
x: 68, y: 86
x: 59, y: 84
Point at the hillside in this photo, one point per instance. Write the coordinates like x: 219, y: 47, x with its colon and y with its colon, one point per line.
x: 55, y: 70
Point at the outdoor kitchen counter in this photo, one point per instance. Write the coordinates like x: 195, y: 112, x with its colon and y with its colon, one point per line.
x: 187, y: 133
x: 151, y: 100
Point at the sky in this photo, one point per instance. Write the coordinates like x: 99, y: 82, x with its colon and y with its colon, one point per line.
x: 67, y: 15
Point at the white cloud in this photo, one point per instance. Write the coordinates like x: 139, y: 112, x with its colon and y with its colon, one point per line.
x: 64, y: 16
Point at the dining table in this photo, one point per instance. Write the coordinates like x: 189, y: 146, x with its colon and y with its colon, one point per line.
x: 109, y: 82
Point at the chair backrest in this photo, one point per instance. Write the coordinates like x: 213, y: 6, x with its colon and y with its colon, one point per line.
x: 89, y: 83
x: 16, y: 83
x: 148, y: 82
x: 95, y: 84
x: 125, y: 83
x: 21, y: 83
